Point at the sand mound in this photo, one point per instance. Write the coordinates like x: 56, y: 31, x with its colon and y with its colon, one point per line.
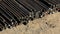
x: 49, y: 24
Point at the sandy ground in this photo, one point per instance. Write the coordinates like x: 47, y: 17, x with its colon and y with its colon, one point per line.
x: 50, y: 24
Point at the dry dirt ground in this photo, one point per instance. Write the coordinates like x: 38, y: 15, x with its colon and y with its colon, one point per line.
x: 50, y: 24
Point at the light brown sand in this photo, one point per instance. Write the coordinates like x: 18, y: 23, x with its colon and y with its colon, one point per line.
x: 50, y: 24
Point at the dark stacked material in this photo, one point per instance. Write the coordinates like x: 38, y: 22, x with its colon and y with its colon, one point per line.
x: 15, y: 12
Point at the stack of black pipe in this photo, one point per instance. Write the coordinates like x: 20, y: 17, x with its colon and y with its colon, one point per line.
x: 15, y: 12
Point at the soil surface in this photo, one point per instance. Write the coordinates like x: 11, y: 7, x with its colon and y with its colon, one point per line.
x: 49, y: 24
